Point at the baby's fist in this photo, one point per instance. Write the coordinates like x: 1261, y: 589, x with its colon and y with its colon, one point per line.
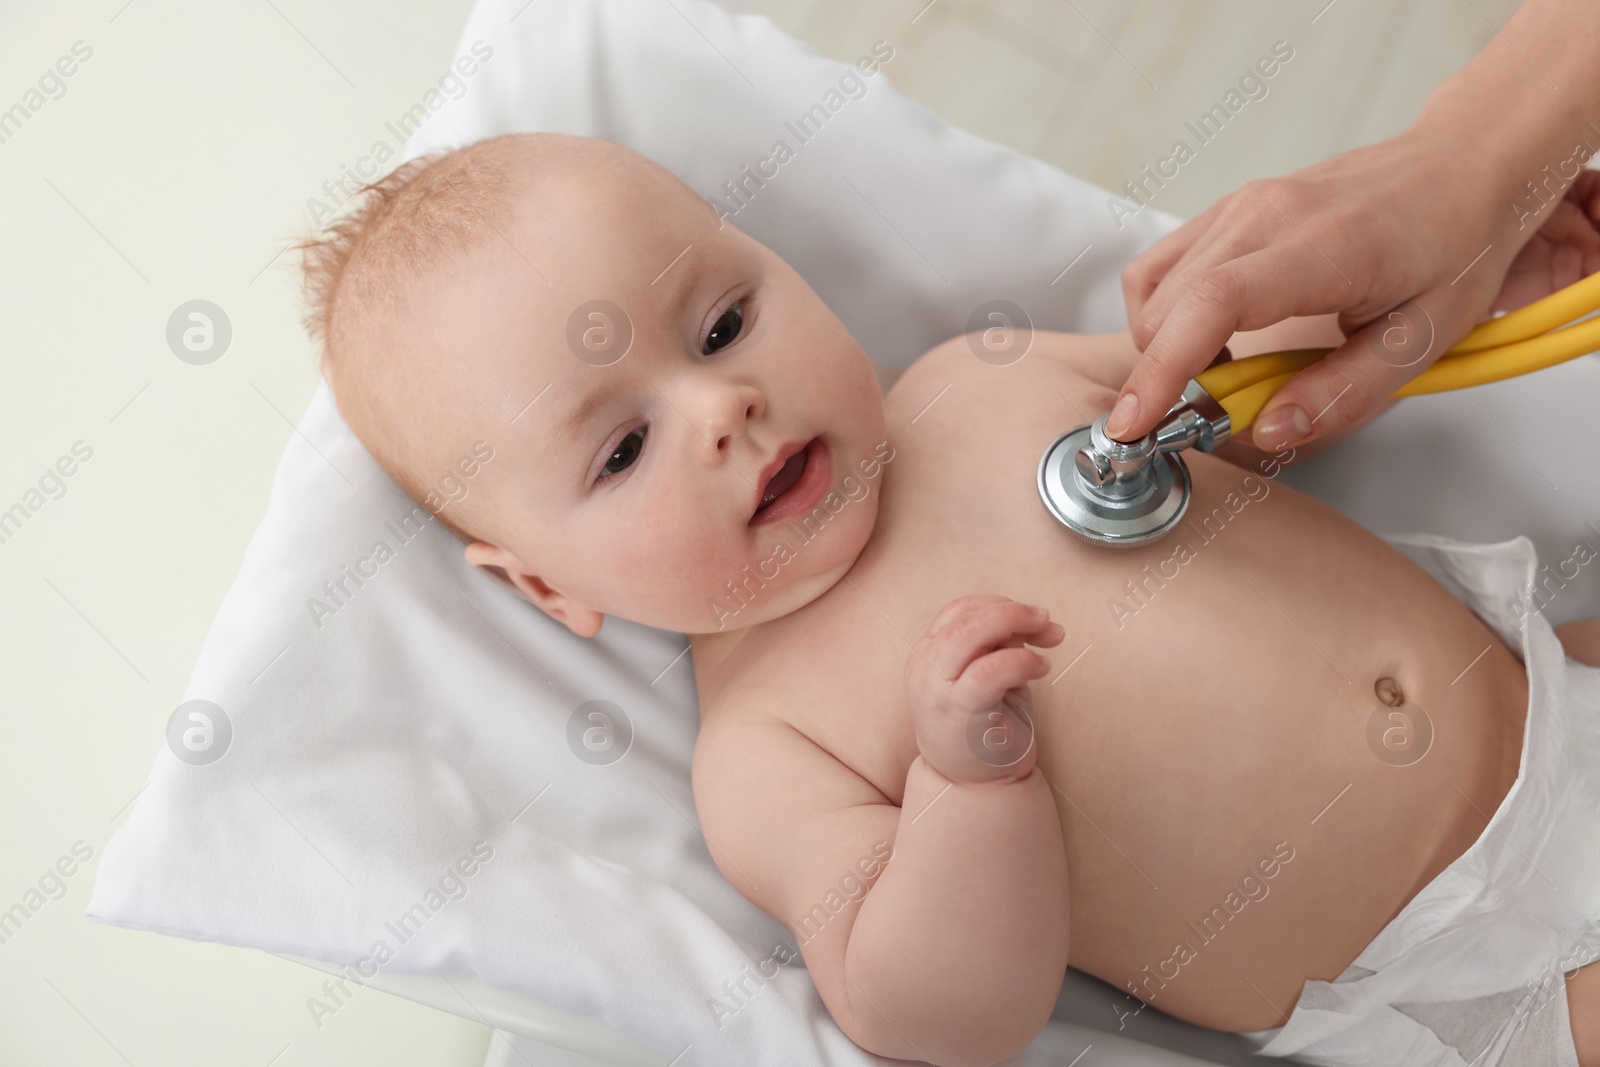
x: 967, y: 680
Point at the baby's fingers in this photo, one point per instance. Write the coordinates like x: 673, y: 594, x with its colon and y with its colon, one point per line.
x: 987, y: 679
x: 982, y: 627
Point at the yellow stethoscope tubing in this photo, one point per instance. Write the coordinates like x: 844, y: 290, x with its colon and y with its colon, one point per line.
x: 1243, y: 387
x: 1541, y: 316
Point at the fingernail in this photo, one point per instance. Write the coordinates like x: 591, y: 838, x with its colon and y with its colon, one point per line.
x: 1285, y: 425
x: 1122, y: 414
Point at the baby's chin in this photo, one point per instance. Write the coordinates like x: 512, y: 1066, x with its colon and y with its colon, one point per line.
x: 768, y: 591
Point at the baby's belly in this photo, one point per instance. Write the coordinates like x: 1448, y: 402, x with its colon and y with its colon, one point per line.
x: 1265, y: 733
x: 1263, y: 753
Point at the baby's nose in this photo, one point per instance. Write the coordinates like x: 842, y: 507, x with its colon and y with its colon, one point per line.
x: 725, y: 414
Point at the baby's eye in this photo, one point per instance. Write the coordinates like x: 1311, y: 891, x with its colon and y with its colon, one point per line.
x: 623, y: 456
x: 726, y: 328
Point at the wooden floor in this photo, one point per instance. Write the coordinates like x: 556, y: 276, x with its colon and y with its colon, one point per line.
x: 1101, y: 88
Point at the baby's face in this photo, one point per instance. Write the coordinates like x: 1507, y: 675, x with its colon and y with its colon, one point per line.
x: 631, y: 439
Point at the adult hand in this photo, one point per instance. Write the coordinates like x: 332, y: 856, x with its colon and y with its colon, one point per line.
x: 1392, y: 236
x: 1565, y: 250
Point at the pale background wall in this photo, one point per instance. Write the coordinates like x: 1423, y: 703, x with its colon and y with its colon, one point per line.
x: 179, y: 160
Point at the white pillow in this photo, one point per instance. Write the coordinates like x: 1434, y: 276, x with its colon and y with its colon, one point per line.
x: 398, y: 725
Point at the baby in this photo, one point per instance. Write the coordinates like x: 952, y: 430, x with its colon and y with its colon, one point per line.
x: 685, y: 436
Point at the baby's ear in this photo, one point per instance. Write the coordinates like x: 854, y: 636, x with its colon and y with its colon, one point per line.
x: 483, y: 554
x: 504, y: 565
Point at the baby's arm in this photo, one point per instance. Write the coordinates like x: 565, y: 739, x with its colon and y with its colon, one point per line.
x: 956, y: 952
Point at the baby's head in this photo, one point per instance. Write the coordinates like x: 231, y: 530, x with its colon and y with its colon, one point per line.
x: 631, y: 363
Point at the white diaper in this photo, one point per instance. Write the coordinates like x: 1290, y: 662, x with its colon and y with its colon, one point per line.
x: 1469, y: 974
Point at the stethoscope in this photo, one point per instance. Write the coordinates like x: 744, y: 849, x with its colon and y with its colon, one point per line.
x: 1123, y: 494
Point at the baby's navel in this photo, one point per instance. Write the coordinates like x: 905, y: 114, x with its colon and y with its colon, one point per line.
x: 1388, y: 691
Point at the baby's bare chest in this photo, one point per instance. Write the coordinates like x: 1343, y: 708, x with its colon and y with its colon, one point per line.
x: 959, y: 513
x: 1212, y: 693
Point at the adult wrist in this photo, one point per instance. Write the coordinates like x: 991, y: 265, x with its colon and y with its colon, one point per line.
x: 1469, y: 139
x: 1509, y: 185
x: 1530, y: 100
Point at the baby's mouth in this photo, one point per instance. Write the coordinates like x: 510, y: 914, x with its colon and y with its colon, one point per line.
x: 796, y: 485
x: 784, y: 480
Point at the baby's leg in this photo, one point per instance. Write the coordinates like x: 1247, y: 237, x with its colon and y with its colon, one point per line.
x: 1583, y: 1011
x: 1581, y: 640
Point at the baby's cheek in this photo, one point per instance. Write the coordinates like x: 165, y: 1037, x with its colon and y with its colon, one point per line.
x: 674, y: 558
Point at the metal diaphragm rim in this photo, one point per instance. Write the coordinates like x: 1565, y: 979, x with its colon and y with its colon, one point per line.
x: 1125, y: 523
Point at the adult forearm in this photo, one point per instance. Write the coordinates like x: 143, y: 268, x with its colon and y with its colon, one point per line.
x: 958, y: 952
x: 1528, y: 101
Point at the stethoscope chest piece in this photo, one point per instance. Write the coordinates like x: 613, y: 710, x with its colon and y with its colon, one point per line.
x: 1123, y: 494
x: 1111, y: 493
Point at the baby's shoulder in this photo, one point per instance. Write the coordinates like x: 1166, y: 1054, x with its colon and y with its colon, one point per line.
x: 791, y: 692
x: 750, y: 699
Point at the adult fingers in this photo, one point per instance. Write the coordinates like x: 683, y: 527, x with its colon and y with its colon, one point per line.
x: 1144, y: 274
x: 1588, y: 193
x: 1360, y: 375
x: 1208, y: 313
x: 1223, y: 243
x: 1569, y: 225
x: 1248, y: 223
